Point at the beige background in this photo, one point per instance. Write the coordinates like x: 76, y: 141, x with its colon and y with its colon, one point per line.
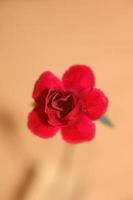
x: 54, y: 34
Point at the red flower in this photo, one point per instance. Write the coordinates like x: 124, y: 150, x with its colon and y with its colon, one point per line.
x: 71, y: 105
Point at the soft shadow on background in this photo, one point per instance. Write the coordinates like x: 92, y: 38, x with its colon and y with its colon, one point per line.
x: 52, y: 35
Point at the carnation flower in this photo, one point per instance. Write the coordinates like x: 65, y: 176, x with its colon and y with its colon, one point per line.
x: 71, y: 105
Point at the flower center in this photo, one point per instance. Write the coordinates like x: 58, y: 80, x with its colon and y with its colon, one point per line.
x: 60, y: 101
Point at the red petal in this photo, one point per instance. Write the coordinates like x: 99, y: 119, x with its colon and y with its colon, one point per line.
x: 38, y: 128
x: 46, y: 80
x: 95, y: 103
x: 73, y: 115
x: 82, y: 130
x: 79, y: 77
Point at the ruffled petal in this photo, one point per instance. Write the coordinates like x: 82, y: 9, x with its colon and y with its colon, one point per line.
x: 46, y: 80
x: 79, y: 77
x: 43, y: 130
x: 95, y: 103
x: 82, y: 130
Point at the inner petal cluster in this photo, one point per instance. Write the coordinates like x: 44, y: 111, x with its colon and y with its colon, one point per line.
x: 58, y: 104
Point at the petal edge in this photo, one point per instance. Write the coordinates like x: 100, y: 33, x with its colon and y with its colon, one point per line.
x: 46, y: 80
x: 95, y: 103
x: 38, y: 128
x: 83, y: 130
x: 79, y: 77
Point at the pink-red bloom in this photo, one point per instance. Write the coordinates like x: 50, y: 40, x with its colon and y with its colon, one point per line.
x: 70, y: 104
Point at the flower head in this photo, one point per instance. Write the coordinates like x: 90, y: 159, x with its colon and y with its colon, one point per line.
x: 70, y: 104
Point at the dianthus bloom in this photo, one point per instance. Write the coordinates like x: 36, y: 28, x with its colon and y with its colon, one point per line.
x: 70, y: 104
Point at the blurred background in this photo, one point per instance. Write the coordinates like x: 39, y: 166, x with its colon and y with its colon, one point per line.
x: 39, y: 35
